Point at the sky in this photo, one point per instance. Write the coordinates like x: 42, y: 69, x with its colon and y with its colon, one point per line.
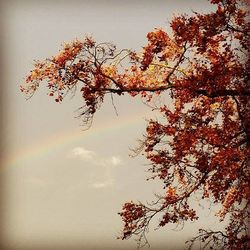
x: 62, y: 186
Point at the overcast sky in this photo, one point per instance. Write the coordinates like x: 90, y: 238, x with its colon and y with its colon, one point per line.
x: 61, y: 186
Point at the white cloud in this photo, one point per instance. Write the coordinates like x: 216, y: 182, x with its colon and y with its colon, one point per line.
x: 103, y: 178
x: 89, y: 155
x: 101, y: 167
x: 116, y: 160
x: 82, y: 153
x: 104, y: 184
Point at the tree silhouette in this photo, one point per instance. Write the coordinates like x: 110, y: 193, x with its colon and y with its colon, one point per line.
x: 200, y: 143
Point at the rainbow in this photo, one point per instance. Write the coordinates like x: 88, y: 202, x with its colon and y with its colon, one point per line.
x: 59, y: 140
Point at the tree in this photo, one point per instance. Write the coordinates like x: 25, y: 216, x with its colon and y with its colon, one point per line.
x: 200, y: 143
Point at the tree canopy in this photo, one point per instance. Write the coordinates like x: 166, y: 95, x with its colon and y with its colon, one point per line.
x: 200, y: 143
